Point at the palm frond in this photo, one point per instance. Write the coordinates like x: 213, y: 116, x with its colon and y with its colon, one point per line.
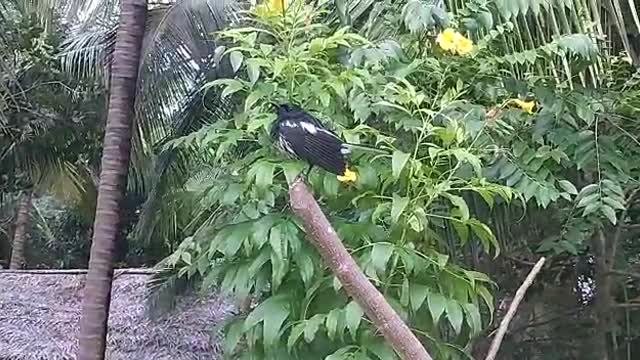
x: 87, y: 55
x: 177, y: 60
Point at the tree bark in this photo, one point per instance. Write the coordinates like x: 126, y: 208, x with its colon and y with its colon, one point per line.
x: 113, y: 180
x: 20, y: 234
x: 355, y: 283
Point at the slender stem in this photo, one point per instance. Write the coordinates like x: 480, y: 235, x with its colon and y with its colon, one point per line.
x: 504, y: 324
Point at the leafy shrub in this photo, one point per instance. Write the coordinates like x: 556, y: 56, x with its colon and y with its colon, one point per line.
x: 393, y: 219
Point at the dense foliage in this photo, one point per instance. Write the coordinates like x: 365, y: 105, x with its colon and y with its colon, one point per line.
x: 449, y: 121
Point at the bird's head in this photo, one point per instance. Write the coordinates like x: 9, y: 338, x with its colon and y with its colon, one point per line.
x: 281, y: 109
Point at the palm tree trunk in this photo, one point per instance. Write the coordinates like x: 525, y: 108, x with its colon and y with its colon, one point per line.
x: 20, y: 234
x: 113, y: 180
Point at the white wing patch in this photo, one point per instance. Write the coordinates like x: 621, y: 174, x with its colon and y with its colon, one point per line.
x: 290, y: 124
x: 286, y: 147
x: 309, y: 127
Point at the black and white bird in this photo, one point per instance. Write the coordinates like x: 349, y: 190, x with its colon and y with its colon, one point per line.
x: 302, y: 136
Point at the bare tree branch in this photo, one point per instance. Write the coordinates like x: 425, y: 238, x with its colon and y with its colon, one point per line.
x: 324, y: 238
x: 504, y: 324
x: 633, y: 275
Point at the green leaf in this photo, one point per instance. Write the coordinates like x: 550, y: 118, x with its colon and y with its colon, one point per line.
x: 232, y: 194
x: 331, y: 185
x: 331, y: 323
x: 462, y: 230
x: 261, y: 230
x: 589, y: 189
x: 305, y: 267
x: 236, y: 58
x: 476, y: 276
x: 233, y: 336
x: 272, y: 313
x: 437, y: 304
x: 186, y: 257
x: 291, y: 170
x: 279, y: 268
x: 568, y: 187
x: 473, y: 318
x: 276, y: 240
x: 381, y: 350
x: 486, y: 295
x: 454, y: 314
x: 354, y: 315
x: 616, y: 205
x: 609, y: 213
x: 340, y: 354
x: 253, y: 71
x: 398, y: 206
x: 417, y: 294
x: 296, y: 332
x: 459, y: 202
x: 398, y: 162
x: 380, y: 255
x: 236, y: 235
x: 264, y: 174
x: 232, y: 88
x: 337, y: 285
x: 483, y: 232
x: 415, y: 224
x: 311, y: 327
x: 404, y: 293
x: 251, y: 100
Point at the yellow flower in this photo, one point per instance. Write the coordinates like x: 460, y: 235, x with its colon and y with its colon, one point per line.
x: 270, y: 8
x: 527, y: 106
x: 452, y: 41
x: 349, y: 176
x: 463, y: 45
x: 278, y: 5
x: 446, y: 40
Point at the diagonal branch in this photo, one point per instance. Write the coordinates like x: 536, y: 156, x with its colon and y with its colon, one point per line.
x: 324, y: 238
x: 504, y: 324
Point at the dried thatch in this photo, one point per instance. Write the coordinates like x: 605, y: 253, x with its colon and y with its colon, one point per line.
x: 39, y: 316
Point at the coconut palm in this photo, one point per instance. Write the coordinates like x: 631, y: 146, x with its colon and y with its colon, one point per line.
x: 179, y: 57
x: 115, y: 159
x: 162, y: 79
x: 46, y: 124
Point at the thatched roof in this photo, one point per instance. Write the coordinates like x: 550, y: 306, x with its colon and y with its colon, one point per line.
x: 39, y: 314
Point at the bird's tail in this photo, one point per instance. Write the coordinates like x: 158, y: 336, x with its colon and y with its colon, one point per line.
x: 367, y: 148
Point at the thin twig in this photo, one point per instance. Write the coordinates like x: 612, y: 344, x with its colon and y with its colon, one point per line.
x: 633, y: 275
x: 504, y: 324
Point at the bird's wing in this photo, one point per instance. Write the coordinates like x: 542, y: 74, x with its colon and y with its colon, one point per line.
x: 303, y: 116
x: 316, y: 145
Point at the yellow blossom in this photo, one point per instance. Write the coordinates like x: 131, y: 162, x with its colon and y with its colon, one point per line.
x: 527, y: 106
x: 463, y: 45
x: 271, y: 8
x: 349, y: 176
x: 452, y: 41
x: 446, y: 40
x: 278, y: 5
